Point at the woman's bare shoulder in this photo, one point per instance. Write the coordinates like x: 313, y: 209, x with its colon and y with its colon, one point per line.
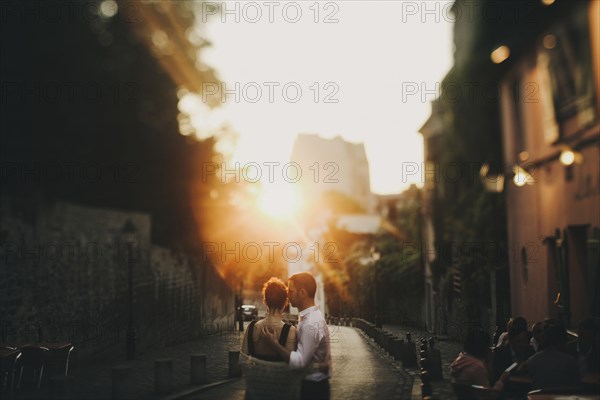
x: 293, y: 332
x: 269, y: 324
x: 291, y: 339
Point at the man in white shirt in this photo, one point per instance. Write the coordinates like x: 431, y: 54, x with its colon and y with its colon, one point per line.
x: 313, y: 338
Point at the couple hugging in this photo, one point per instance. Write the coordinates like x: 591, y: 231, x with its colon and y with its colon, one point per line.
x: 281, y: 351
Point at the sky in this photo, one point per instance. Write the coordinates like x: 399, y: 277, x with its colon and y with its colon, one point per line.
x: 364, y: 70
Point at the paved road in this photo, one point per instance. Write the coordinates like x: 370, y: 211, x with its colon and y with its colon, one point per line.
x: 360, y: 371
x: 442, y: 389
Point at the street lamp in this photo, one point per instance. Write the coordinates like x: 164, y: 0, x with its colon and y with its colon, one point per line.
x: 375, y: 255
x: 240, y: 311
x: 129, y: 232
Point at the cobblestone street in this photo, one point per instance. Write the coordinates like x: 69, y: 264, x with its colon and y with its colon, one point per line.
x: 361, y: 371
x: 94, y: 381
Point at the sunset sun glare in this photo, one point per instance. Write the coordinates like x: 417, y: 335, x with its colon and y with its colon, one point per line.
x: 278, y: 200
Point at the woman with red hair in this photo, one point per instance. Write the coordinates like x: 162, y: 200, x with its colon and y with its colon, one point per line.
x: 275, y: 297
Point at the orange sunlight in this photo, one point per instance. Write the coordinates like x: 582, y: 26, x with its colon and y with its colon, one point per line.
x: 278, y: 200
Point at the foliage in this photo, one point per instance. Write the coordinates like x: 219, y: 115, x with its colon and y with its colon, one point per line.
x: 104, y: 110
x: 395, y: 281
x: 472, y: 218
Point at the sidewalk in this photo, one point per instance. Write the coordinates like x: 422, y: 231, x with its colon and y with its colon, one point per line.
x: 94, y: 381
x: 448, y: 349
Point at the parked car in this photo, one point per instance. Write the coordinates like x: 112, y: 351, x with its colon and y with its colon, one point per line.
x: 249, y: 312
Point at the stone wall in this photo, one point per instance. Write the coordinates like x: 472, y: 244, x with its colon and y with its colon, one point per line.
x: 64, y: 272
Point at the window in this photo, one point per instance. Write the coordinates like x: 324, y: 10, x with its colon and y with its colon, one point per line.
x: 566, y: 54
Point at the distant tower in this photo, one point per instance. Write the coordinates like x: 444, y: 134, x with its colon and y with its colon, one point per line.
x: 333, y: 164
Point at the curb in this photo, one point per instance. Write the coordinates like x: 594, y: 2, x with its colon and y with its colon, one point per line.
x: 396, y: 365
x: 194, y: 389
x: 416, y: 390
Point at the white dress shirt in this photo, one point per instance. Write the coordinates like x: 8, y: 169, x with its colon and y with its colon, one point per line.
x: 313, y: 344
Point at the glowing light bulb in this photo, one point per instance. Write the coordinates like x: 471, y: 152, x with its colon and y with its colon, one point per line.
x: 500, y: 54
x: 567, y: 157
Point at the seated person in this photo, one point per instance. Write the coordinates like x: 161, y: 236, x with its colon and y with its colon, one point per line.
x: 497, y: 333
x: 586, y: 348
x: 517, y: 348
x: 537, y: 331
x: 470, y: 367
x: 502, y: 339
x: 254, y: 343
x: 552, y: 367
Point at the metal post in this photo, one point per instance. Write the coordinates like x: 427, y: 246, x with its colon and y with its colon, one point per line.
x: 375, y: 256
x: 239, y: 311
x: 378, y: 323
x: 129, y: 230
x: 130, y: 336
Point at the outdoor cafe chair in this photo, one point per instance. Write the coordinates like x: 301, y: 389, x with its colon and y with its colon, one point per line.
x: 58, y: 360
x: 31, y: 363
x: 565, y: 392
x: 465, y: 391
x: 9, y: 357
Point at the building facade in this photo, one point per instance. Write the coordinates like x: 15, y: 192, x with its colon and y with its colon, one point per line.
x: 551, y: 135
x: 333, y: 165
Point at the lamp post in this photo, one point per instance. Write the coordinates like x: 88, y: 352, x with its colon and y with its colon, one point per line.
x: 239, y: 310
x: 129, y: 232
x: 375, y: 255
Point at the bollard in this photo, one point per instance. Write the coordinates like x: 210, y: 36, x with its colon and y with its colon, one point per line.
x: 409, y: 354
x: 435, y: 364
x: 60, y: 387
x: 424, y: 364
x: 384, y: 340
x: 408, y: 337
x: 397, y: 349
x: 380, y: 338
x: 389, y: 343
x: 163, y: 375
x: 198, y: 369
x: 121, y: 382
x: 235, y: 369
x: 431, y: 342
x: 425, y: 384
